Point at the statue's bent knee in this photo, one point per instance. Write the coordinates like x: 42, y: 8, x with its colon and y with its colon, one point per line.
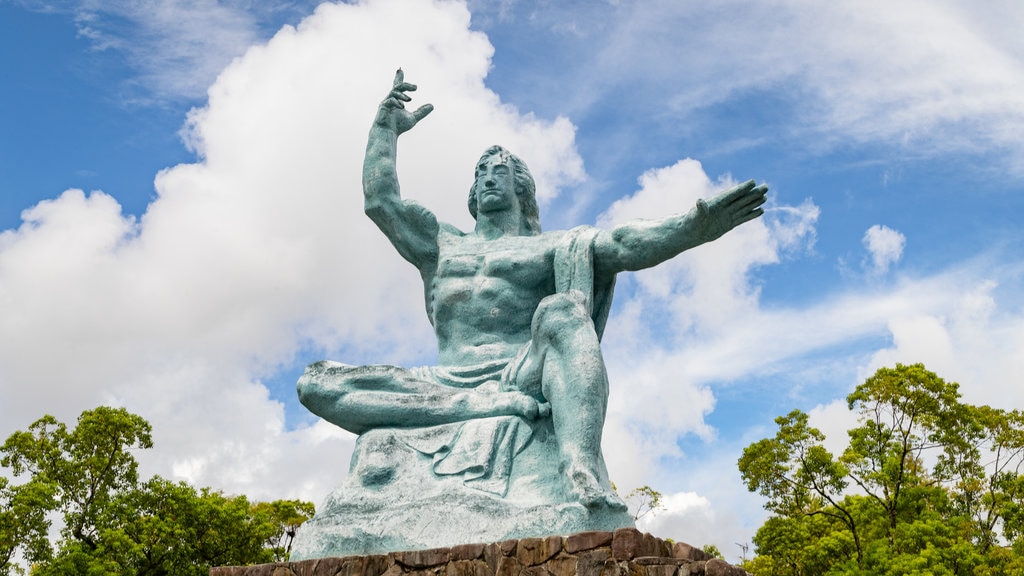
x: 321, y: 388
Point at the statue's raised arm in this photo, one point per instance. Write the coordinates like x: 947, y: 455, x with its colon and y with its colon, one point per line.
x: 411, y: 228
x: 641, y: 244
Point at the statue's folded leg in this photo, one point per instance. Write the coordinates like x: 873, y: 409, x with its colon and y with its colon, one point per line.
x: 565, y: 355
x: 360, y: 398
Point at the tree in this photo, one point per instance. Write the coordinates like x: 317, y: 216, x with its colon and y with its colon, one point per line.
x: 643, y: 501
x: 114, y: 524
x: 928, y: 484
x: 285, y: 516
x: 77, y: 471
x: 23, y: 521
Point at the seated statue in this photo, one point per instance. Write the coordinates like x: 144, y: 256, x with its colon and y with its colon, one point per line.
x: 503, y: 438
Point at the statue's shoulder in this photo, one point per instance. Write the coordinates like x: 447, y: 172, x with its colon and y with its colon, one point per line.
x: 447, y: 230
x: 552, y: 239
x: 557, y: 237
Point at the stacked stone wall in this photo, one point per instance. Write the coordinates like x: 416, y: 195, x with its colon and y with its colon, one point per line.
x: 625, y: 552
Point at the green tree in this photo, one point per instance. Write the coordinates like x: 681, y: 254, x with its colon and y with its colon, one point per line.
x: 927, y: 485
x: 643, y: 501
x: 285, y: 516
x: 81, y: 469
x: 115, y: 524
x: 23, y: 521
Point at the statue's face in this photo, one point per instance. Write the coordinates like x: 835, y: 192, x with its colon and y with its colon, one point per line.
x: 495, y: 185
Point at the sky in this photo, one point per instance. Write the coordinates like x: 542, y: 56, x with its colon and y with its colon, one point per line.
x: 181, y: 226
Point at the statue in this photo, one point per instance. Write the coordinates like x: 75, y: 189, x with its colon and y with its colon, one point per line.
x: 503, y: 438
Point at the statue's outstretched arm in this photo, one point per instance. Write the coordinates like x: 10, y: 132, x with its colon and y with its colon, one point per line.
x: 644, y: 243
x: 410, y: 227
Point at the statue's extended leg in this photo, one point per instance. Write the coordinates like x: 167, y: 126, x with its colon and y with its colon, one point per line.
x: 360, y: 398
x: 566, y: 355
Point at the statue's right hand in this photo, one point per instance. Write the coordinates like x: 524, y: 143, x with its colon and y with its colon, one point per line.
x: 392, y: 113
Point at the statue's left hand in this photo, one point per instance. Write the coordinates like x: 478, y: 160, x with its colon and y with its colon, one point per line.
x: 730, y: 209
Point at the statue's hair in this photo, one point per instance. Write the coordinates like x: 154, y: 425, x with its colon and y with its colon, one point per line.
x: 524, y: 186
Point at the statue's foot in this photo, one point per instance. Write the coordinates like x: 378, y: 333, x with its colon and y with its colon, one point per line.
x: 588, y: 490
x: 519, y: 404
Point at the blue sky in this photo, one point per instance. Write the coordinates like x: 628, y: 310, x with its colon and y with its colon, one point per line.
x: 182, y: 233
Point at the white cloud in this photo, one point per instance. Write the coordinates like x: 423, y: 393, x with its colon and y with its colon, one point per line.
x: 715, y: 509
x: 922, y: 77
x: 258, y: 248
x: 176, y: 47
x: 973, y: 340
x: 884, y: 246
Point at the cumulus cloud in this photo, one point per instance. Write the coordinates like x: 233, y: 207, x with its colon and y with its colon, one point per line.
x: 258, y: 248
x: 884, y: 246
x: 974, y: 340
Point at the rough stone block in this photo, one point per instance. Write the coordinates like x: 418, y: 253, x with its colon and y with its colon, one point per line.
x: 633, y: 569
x: 394, y: 569
x: 303, y: 568
x: 467, y: 568
x: 625, y: 543
x: 435, y: 571
x: 534, y: 571
x: 492, y: 555
x: 661, y: 570
x: 422, y: 558
x: 658, y: 560
x: 719, y: 567
x: 508, y: 566
x: 652, y: 546
x: 684, y: 550
x: 467, y: 551
x: 508, y: 547
x: 588, y: 541
x: 562, y: 565
x: 533, y: 551
x: 260, y: 570
x: 598, y: 562
x: 372, y: 565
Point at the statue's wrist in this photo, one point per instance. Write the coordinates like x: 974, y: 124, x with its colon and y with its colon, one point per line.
x: 384, y: 125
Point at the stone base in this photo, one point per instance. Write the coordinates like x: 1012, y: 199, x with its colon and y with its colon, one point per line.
x: 624, y: 552
x: 393, y: 499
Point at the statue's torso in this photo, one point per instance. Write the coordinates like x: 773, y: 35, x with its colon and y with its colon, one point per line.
x: 483, y: 293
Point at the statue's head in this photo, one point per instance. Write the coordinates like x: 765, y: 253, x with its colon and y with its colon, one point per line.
x: 525, y: 188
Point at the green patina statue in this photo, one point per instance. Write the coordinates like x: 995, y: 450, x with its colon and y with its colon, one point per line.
x: 503, y: 438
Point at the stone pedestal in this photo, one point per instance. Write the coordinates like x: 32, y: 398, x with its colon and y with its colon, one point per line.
x: 624, y: 552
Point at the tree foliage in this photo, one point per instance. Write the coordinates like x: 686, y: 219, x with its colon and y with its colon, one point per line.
x: 114, y: 524
x: 642, y: 501
x: 927, y: 485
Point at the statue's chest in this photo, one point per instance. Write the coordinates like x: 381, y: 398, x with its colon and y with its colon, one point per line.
x: 523, y: 263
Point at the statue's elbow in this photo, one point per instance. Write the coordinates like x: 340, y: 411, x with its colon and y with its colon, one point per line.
x: 375, y: 209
